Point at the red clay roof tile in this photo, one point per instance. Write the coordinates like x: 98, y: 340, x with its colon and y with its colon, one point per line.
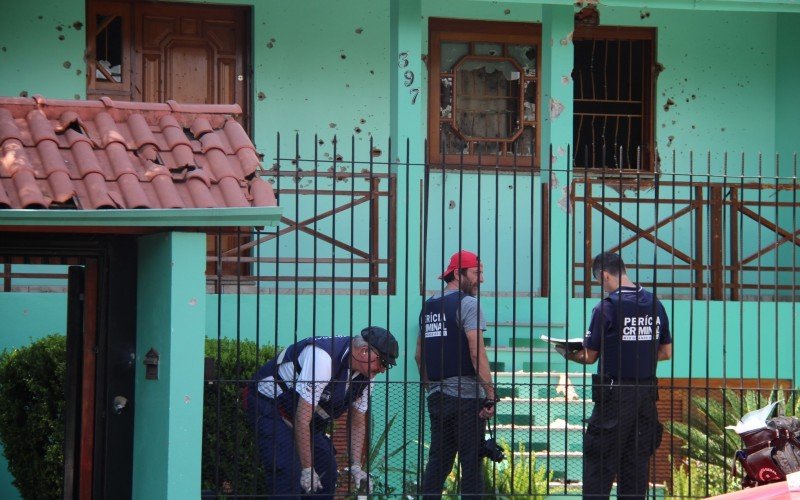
x: 115, y: 154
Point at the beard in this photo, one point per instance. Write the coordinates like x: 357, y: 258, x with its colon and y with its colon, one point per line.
x: 467, y: 288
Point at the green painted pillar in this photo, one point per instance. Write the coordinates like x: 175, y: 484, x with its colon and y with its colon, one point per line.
x: 556, y: 108
x: 408, y: 82
x: 169, y: 411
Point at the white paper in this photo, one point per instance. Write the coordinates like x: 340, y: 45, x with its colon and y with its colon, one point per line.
x: 793, y: 481
x: 554, y: 340
x: 756, y: 419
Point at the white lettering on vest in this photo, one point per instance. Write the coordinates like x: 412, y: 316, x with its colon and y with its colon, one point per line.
x: 435, y: 325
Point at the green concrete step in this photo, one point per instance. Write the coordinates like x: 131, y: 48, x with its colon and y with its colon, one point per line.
x: 497, y: 366
x: 544, y: 385
x: 542, y: 411
x: 539, y: 438
x: 553, y: 365
x: 565, y: 466
x: 514, y: 419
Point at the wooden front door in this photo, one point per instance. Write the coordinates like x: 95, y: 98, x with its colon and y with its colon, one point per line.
x: 190, y: 54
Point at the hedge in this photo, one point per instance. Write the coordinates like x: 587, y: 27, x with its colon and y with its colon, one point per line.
x: 32, y: 417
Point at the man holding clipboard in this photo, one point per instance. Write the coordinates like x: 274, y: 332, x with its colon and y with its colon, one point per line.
x: 629, y: 332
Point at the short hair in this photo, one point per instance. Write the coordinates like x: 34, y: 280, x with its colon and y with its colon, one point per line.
x: 359, y: 342
x: 609, y: 262
x: 452, y: 275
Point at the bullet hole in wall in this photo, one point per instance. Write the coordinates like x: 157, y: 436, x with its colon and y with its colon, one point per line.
x: 61, y: 37
x: 359, y: 31
x: 262, y: 96
x: 67, y: 64
x: 357, y: 130
x: 77, y: 25
x: 332, y: 125
x: 24, y: 93
x: 343, y: 56
x: 668, y: 104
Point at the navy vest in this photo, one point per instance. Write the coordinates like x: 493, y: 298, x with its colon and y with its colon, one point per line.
x: 335, y: 398
x: 445, y: 346
x: 631, y: 351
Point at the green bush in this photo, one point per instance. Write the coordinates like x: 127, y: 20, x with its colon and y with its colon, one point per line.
x: 32, y: 415
x: 230, y: 456
x: 517, y: 475
x: 695, y: 479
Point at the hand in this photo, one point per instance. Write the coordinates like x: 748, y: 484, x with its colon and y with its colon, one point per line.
x: 562, y: 350
x: 310, y: 481
x: 360, y: 477
x: 487, y: 411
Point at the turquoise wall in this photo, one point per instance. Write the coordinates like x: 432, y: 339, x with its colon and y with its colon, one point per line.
x: 787, y: 126
x: 41, y: 49
x: 329, y: 67
x: 168, y: 420
x: 729, y: 74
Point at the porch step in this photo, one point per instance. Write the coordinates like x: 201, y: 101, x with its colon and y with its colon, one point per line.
x: 536, y: 437
x: 542, y: 410
x: 543, y: 385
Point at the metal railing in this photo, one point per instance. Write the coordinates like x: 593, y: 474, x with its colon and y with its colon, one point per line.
x: 365, y: 234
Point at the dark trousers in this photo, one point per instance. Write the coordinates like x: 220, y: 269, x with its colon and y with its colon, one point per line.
x: 279, y: 457
x: 455, y: 428
x: 621, y: 436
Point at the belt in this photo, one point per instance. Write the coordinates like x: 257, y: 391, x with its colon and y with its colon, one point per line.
x: 317, y: 423
x: 611, y: 380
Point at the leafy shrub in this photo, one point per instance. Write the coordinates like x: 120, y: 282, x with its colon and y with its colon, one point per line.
x: 696, y: 479
x: 230, y: 455
x: 529, y: 480
x: 32, y: 415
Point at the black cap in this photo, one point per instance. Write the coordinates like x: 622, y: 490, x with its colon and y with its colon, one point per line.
x: 382, y: 340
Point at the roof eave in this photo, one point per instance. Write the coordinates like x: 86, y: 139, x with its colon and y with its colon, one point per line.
x: 183, y: 217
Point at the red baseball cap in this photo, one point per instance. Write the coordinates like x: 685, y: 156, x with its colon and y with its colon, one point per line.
x: 461, y: 260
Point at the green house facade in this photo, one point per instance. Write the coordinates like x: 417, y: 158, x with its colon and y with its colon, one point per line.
x: 536, y: 133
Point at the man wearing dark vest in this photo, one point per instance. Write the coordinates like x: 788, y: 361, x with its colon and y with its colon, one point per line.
x: 455, y: 372
x: 296, y: 397
x: 629, y: 332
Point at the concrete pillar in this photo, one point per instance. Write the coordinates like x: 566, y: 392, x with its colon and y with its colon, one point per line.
x: 169, y: 411
x: 408, y: 79
x: 556, y: 108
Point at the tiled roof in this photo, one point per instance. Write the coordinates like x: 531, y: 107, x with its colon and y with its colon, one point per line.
x: 113, y: 154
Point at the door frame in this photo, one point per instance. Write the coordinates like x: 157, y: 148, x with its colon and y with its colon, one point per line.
x: 101, y: 441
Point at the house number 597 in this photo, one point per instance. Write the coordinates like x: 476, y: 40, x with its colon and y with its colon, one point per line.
x: 408, y: 75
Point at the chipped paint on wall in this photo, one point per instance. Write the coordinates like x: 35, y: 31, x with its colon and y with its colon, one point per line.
x: 556, y: 108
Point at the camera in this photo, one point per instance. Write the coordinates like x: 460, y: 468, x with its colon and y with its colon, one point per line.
x: 490, y: 450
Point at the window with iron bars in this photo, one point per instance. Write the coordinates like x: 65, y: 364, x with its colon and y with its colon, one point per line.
x: 613, y: 98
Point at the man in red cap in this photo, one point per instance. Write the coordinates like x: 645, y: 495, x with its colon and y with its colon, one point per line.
x: 454, y: 369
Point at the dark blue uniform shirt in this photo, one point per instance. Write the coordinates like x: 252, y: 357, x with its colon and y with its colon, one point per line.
x: 627, y: 328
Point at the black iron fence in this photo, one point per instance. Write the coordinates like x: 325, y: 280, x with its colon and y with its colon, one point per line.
x: 366, y: 231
